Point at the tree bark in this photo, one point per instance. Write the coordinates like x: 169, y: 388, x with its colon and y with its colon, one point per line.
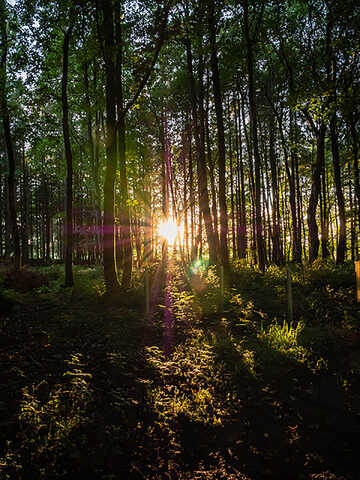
x: 124, y: 209
x: 276, y: 229
x: 110, y: 270
x: 314, y: 195
x: 69, y: 281
x: 341, y: 246
x: 8, y: 139
x: 250, y: 43
x: 201, y: 161
x: 224, y: 253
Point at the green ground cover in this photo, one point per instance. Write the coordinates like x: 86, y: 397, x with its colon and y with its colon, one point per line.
x: 204, y: 389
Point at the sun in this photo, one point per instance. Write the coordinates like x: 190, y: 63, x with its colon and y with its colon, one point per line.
x: 169, y: 230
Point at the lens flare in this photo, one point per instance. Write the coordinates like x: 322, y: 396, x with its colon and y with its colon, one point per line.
x: 169, y: 231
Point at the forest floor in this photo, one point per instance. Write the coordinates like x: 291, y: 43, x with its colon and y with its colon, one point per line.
x: 198, y: 389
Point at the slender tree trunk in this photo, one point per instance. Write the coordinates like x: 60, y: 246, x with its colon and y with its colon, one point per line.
x: 224, y: 253
x: 8, y: 139
x: 191, y: 193
x: 94, y: 158
x: 241, y: 182
x: 325, y: 216
x: 352, y: 219
x: 296, y: 252
x: 2, y: 220
x: 211, y: 163
x: 355, y: 152
x: 164, y: 182
x: 201, y: 161
x: 341, y: 246
x: 276, y: 230
x: 250, y: 44
x: 124, y: 210
x: 25, y: 210
x: 110, y: 270
x: 232, y: 200
x: 314, y: 195
x: 69, y: 281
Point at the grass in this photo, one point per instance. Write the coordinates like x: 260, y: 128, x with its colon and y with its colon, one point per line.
x: 89, y: 389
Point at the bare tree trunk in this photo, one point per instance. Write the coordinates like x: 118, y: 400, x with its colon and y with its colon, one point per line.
x: 341, y: 246
x: 110, y: 270
x: 314, y: 195
x: 25, y: 210
x: 69, y: 281
x: 276, y: 229
x: 224, y: 254
x: 8, y: 139
x: 124, y: 210
x: 201, y: 161
x: 250, y: 43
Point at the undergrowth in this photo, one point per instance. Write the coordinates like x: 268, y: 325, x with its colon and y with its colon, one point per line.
x: 94, y: 391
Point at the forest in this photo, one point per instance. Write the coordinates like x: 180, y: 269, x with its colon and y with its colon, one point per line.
x: 179, y: 239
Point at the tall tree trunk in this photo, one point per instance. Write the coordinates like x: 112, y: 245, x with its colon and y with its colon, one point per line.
x: 250, y: 44
x: 314, y: 195
x: 296, y: 251
x: 25, y: 210
x: 69, y: 281
x: 232, y: 199
x: 224, y: 253
x: 241, y: 183
x: 8, y: 139
x: 201, y: 160
x: 276, y: 229
x: 211, y: 163
x: 355, y: 153
x: 341, y: 246
x: 2, y: 204
x: 290, y: 173
x: 124, y: 210
x: 110, y: 270
x: 191, y: 193
x: 164, y: 182
x: 94, y: 158
x: 324, y: 217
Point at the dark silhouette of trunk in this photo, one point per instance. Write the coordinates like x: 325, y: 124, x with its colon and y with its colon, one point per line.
x: 211, y: 163
x: 314, y: 195
x: 224, y: 254
x: 341, y: 245
x: 46, y: 221
x: 250, y: 44
x: 69, y: 281
x: 2, y: 208
x: 25, y: 214
x: 276, y: 229
x: 124, y: 210
x: 290, y: 173
x: 94, y: 159
x: 201, y: 160
x: 110, y: 271
x: 296, y: 250
x: 164, y: 182
x: 8, y: 139
x: 232, y: 195
x: 352, y: 221
x: 191, y: 192
x: 251, y: 181
x: 355, y: 153
x: 242, y: 234
x: 324, y: 214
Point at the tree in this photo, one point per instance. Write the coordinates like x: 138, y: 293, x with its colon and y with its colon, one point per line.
x: 69, y: 281
x: 8, y: 137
